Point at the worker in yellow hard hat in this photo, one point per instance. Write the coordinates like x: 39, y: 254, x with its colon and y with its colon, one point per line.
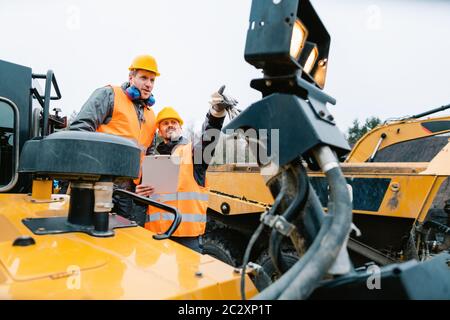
x: 191, y: 197
x: 124, y: 111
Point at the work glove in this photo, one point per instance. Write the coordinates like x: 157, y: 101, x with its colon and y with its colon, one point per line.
x: 220, y: 101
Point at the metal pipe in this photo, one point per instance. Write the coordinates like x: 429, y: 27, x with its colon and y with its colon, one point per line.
x: 426, y: 113
x: 382, y: 137
x: 325, y: 158
x: 149, y: 202
x: 81, y: 205
x: 103, y: 192
x: 46, y: 111
x: 50, y: 80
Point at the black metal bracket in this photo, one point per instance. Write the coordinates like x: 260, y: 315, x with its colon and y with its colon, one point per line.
x: 297, y: 122
x: 295, y: 84
x: 279, y: 223
x: 147, y: 201
x: 57, y: 225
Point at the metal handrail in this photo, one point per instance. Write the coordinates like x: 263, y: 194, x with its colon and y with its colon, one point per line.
x: 44, y: 101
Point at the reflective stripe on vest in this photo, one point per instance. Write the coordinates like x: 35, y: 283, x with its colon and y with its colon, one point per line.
x: 191, y: 200
x: 180, y: 196
x: 186, y: 217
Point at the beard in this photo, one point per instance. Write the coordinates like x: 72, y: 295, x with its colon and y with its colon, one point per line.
x: 174, y: 134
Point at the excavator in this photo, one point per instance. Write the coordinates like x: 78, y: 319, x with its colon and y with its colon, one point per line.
x: 56, y: 246
x: 395, y: 188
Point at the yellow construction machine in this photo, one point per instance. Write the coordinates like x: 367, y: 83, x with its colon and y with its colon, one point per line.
x: 399, y: 178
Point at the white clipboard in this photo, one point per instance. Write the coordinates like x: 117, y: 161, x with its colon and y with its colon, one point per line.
x: 161, y: 172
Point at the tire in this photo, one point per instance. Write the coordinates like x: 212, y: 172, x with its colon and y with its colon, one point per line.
x: 270, y: 273
x: 224, y: 247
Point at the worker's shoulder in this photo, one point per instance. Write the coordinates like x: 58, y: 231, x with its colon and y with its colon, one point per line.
x: 105, y: 90
x: 105, y: 93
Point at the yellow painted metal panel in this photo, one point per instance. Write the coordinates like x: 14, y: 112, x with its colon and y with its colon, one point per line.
x: 245, y: 185
x: 48, y: 257
x: 237, y: 206
x: 42, y: 189
x: 408, y: 198
x: 130, y: 265
x: 431, y: 197
x: 440, y: 165
x: 405, y: 196
x: 7, y: 230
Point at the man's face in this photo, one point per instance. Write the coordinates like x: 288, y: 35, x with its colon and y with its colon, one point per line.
x: 169, y: 129
x: 144, y: 81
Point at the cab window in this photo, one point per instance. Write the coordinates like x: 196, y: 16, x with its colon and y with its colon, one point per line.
x: 8, y: 144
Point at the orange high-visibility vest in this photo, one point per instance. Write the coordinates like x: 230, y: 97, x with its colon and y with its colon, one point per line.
x: 190, y: 199
x: 125, y: 123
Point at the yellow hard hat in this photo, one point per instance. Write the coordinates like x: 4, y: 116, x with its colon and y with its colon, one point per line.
x: 145, y: 62
x: 168, y: 113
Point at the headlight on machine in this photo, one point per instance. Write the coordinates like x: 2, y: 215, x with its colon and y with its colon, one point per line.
x: 288, y: 37
x: 298, y: 39
x: 311, y: 52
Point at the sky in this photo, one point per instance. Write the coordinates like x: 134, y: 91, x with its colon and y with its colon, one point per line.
x: 388, y: 58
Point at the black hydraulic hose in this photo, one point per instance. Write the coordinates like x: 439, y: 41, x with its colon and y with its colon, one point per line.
x: 275, y: 239
x: 339, y: 196
x: 147, y: 201
x: 317, y: 225
x: 258, y: 231
x: 278, y: 287
x: 248, y: 250
x: 276, y: 185
x: 313, y: 215
x: 439, y: 226
x: 332, y: 242
x: 295, y: 208
x: 302, y: 190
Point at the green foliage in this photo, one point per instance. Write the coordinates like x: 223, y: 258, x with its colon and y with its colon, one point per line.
x: 356, y: 131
